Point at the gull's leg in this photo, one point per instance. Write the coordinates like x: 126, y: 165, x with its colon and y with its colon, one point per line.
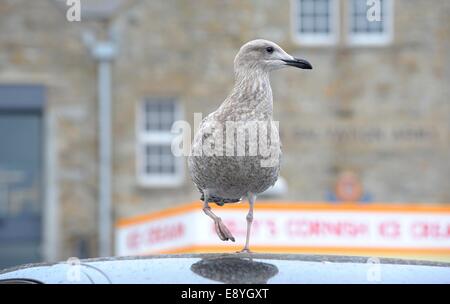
x: 221, y: 230
x: 251, y: 201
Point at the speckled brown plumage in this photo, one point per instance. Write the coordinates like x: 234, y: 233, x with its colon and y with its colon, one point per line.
x: 229, y: 178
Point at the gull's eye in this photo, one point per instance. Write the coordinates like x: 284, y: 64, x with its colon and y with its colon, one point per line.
x: 269, y: 49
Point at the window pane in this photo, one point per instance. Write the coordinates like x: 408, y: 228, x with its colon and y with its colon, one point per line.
x: 307, y: 7
x: 360, y: 22
x: 159, y: 114
x: 321, y: 24
x: 159, y: 159
x: 307, y: 24
x: 314, y: 16
x: 360, y: 6
x: 321, y: 8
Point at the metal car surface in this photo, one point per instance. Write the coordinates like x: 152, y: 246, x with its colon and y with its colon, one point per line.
x: 232, y: 268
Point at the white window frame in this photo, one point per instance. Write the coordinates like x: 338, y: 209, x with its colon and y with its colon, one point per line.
x: 315, y: 39
x: 372, y: 39
x: 144, y: 137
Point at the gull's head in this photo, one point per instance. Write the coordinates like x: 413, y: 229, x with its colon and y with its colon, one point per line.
x: 266, y: 56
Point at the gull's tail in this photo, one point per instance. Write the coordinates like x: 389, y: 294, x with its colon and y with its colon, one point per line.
x: 220, y: 201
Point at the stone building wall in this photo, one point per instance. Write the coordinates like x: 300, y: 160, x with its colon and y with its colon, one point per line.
x: 380, y: 111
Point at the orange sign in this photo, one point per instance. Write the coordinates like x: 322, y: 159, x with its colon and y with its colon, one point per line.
x: 375, y: 229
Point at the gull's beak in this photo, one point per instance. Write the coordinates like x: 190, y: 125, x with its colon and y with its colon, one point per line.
x: 298, y: 63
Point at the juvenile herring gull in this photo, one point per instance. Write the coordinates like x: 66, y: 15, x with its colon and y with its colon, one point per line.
x: 225, y: 169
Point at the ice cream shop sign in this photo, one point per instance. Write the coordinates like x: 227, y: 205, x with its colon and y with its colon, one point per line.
x: 377, y: 229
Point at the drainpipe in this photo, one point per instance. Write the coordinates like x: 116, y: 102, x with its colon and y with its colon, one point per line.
x: 104, y: 53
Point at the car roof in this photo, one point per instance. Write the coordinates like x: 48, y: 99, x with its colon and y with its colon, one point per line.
x: 233, y: 268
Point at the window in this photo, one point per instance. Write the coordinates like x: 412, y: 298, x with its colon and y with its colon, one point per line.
x: 365, y: 31
x: 157, y: 166
x: 315, y: 21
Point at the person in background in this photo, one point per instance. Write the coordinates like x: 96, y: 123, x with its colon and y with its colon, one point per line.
x: 349, y: 189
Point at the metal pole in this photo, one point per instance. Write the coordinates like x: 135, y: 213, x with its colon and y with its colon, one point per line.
x: 105, y: 214
x: 104, y: 53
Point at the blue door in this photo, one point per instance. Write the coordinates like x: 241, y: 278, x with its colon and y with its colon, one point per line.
x: 21, y: 164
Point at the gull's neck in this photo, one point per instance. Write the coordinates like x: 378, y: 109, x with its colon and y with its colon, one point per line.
x: 252, y: 92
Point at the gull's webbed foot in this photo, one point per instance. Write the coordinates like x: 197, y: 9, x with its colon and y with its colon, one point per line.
x: 222, y: 231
